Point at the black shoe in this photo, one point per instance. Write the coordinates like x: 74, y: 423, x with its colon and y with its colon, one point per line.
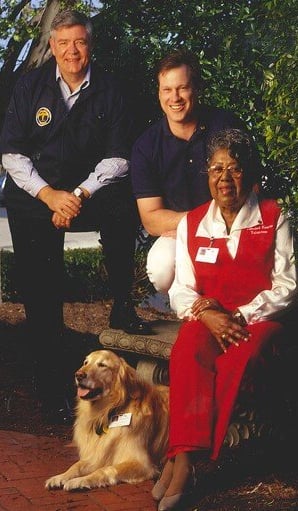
x: 124, y: 317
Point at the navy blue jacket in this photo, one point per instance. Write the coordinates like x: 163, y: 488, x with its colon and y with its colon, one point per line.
x: 63, y: 145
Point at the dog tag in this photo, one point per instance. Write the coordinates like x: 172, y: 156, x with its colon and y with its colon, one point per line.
x: 207, y: 254
x: 123, y: 419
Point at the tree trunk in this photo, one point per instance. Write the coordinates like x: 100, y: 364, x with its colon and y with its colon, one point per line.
x: 40, y: 51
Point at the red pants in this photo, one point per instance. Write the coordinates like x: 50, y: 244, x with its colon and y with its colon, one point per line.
x: 204, y: 384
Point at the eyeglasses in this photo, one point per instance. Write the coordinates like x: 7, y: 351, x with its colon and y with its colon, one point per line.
x: 217, y: 170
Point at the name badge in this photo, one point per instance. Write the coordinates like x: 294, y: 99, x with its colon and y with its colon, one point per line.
x: 207, y: 254
x: 123, y: 419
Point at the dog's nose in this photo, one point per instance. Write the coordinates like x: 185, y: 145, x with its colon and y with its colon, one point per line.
x: 80, y: 375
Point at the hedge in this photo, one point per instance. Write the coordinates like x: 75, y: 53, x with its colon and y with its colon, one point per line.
x: 85, y: 276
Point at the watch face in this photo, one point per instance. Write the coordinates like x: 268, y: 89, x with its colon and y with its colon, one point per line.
x: 238, y: 316
x: 78, y: 192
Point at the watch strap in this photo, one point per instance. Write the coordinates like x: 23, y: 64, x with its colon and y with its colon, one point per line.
x: 237, y: 316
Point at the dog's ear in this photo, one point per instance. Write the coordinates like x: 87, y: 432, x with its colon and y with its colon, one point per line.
x: 128, y: 379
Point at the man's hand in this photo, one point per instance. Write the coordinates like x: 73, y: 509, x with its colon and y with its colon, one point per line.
x: 64, y: 204
x: 60, y: 222
x: 61, y: 202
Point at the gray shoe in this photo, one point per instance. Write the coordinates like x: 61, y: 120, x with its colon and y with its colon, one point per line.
x: 168, y: 503
x: 158, y: 491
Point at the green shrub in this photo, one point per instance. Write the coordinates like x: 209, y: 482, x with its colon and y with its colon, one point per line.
x: 86, y: 277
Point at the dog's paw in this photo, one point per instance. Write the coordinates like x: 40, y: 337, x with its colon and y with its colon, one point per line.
x: 78, y: 483
x: 54, y: 482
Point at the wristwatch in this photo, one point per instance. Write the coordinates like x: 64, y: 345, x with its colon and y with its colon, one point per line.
x: 78, y: 192
x: 237, y: 316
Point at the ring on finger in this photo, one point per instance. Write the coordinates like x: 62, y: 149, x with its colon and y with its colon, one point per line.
x: 224, y: 336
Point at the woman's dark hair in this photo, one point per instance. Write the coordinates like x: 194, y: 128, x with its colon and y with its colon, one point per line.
x: 180, y: 58
x: 241, y: 147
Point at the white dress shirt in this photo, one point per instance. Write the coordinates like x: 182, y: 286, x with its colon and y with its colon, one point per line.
x: 183, y: 291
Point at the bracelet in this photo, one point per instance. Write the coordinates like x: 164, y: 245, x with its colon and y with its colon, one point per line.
x: 200, y: 315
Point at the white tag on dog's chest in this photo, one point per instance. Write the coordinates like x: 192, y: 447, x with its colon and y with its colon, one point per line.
x: 123, y: 419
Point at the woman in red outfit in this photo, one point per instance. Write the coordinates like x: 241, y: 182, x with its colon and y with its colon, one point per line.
x: 234, y: 275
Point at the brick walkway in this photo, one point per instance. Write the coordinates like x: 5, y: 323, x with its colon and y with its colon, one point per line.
x: 26, y: 461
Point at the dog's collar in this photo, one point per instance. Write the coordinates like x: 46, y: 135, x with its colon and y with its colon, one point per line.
x: 101, y: 429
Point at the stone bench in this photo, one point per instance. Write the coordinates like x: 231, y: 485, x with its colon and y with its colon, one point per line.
x: 151, y: 351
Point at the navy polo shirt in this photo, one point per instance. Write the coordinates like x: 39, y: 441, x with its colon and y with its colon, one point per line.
x: 163, y: 165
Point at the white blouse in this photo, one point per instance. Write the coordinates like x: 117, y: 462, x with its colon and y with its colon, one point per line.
x: 265, y: 304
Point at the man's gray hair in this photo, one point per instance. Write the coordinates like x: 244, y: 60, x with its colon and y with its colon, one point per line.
x: 69, y: 18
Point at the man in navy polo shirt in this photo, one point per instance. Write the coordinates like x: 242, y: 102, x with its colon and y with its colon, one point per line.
x: 168, y: 163
x: 65, y: 147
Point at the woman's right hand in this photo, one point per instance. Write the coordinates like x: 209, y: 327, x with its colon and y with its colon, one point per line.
x: 224, y: 328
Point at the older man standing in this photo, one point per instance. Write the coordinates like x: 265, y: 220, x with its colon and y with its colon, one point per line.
x: 65, y: 148
x: 169, y: 160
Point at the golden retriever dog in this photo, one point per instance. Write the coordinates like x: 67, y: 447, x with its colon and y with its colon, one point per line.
x: 121, y: 426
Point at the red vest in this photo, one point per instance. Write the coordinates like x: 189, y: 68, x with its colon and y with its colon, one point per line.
x: 235, y: 282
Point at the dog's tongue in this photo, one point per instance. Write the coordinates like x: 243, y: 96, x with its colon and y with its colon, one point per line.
x: 82, y: 392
